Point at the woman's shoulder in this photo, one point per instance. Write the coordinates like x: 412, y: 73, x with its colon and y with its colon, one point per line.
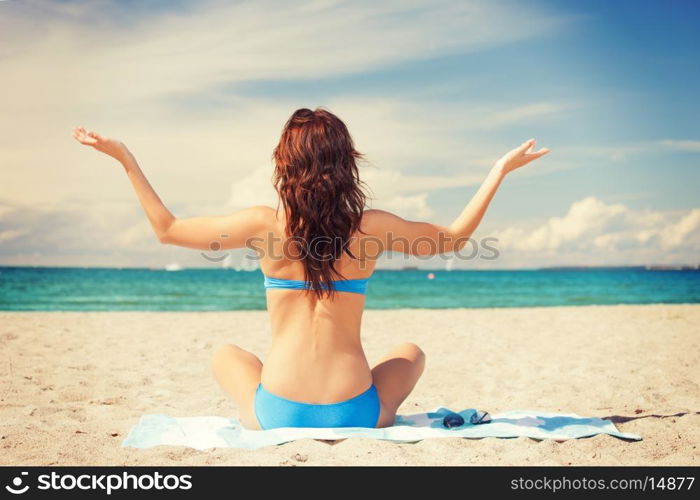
x: 373, y: 215
x: 375, y: 220
x: 263, y: 212
x: 262, y: 217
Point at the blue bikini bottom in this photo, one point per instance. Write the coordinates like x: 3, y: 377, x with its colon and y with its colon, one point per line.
x: 273, y: 411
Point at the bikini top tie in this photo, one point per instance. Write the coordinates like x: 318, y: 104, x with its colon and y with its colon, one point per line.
x: 352, y: 286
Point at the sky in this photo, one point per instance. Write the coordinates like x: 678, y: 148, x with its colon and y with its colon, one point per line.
x: 433, y: 93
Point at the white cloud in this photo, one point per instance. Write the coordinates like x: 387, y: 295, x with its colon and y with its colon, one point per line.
x: 11, y: 234
x: 681, y: 231
x: 104, y: 234
x: 253, y: 188
x: 408, y: 206
x: 586, y: 217
x: 679, y: 145
x: 593, y: 232
x: 528, y: 112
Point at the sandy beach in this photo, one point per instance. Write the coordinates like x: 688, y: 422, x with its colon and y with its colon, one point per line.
x: 73, y: 384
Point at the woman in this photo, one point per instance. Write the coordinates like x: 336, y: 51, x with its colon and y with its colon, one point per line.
x: 317, y: 250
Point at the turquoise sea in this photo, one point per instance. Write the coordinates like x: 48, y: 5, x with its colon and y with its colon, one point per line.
x: 103, y: 289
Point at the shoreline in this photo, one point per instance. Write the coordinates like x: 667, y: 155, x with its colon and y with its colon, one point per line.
x: 73, y: 383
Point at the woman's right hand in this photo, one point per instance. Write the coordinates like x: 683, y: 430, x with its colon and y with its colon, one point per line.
x: 522, y: 155
x: 111, y: 147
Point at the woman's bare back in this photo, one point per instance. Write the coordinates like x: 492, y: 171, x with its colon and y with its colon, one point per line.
x: 316, y: 353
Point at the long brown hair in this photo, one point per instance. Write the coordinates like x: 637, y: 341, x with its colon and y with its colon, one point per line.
x: 317, y: 179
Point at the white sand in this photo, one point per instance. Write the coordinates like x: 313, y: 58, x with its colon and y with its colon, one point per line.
x: 73, y: 384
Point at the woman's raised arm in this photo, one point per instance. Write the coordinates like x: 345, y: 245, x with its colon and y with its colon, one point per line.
x: 203, y: 233
x: 425, y: 238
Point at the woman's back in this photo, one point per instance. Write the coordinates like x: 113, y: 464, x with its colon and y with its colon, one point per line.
x: 316, y: 353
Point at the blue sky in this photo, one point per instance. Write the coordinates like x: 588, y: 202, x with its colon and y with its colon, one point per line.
x: 433, y: 92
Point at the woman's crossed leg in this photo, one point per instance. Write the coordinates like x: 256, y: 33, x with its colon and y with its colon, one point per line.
x: 395, y: 375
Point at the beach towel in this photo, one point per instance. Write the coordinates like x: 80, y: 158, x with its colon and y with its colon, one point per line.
x: 222, y: 432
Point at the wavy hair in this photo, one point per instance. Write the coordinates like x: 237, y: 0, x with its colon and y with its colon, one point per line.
x: 317, y: 179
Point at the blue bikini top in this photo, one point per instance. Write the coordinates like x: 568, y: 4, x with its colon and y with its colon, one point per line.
x: 352, y: 286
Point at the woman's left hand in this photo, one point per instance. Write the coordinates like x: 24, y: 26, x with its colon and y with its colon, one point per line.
x: 522, y: 155
x: 111, y: 147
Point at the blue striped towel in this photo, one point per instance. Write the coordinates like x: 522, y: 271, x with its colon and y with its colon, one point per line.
x: 221, y: 432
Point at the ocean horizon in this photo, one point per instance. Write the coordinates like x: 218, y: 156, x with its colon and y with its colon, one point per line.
x: 216, y: 289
